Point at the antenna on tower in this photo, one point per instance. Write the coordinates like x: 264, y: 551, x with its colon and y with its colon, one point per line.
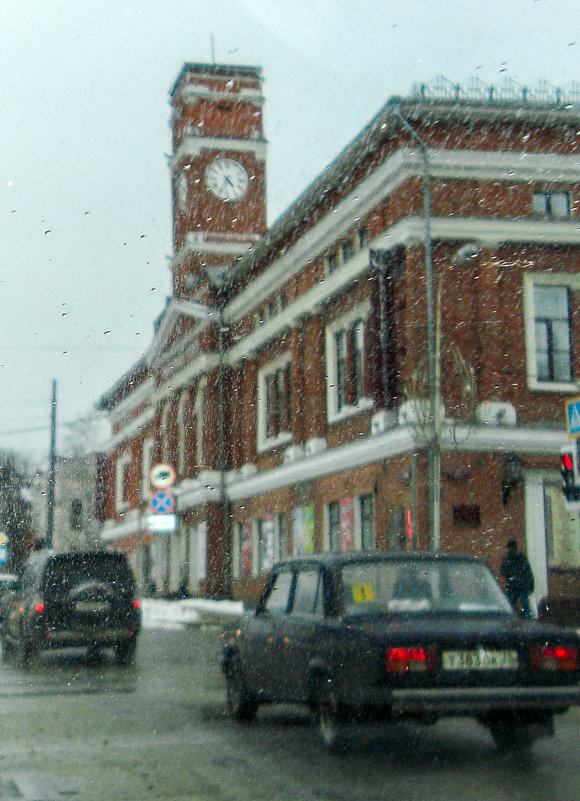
x: 212, y: 48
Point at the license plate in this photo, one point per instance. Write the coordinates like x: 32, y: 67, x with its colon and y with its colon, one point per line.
x: 482, y: 659
x: 93, y: 606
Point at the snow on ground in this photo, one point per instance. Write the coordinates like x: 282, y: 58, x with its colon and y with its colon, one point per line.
x: 158, y: 613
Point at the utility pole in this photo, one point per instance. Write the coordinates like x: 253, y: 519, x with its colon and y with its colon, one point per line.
x: 51, y: 469
x: 434, y: 435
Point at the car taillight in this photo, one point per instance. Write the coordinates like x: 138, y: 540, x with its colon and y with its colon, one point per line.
x: 38, y: 608
x: 136, y: 604
x: 554, y: 657
x: 414, y: 659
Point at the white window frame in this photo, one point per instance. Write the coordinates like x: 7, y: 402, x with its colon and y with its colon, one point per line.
x: 360, y: 312
x: 121, y: 485
x: 200, y: 403
x: 530, y: 280
x: 264, y: 441
x: 146, y: 464
x: 545, y: 196
x: 181, y: 420
x: 165, y: 429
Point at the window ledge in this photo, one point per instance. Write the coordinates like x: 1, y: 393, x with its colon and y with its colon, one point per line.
x: 275, y: 442
x: 552, y: 386
x: 350, y: 411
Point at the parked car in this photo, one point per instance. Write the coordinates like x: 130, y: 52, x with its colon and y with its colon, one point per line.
x: 394, y: 636
x: 8, y: 583
x: 72, y: 600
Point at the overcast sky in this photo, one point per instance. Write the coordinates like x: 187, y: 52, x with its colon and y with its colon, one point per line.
x: 85, y: 220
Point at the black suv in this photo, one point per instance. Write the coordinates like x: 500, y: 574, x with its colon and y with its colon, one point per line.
x: 72, y: 600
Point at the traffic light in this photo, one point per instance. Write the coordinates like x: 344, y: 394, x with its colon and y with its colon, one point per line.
x: 569, y: 472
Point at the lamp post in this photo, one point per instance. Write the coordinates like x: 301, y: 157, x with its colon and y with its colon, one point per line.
x: 433, y: 439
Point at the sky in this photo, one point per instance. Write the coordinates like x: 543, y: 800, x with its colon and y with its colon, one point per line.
x: 85, y: 214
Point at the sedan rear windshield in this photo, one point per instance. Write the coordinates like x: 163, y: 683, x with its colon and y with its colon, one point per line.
x: 402, y: 587
x: 64, y: 574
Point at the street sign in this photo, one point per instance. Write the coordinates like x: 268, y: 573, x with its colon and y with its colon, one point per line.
x: 162, y: 502
x: 162, y: 476
x: 573, y: 416
x: 162, y: 524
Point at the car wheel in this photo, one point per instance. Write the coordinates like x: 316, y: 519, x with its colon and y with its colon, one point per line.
x: 7, y: 649
x: 125, y: 652
x: 330, y: 719
x: 242, y: 704
x: 94, y: 653
x: 509, y: 736
x: 25, y: 652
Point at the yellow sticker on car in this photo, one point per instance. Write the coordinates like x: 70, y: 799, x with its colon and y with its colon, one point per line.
x: 363, y: 593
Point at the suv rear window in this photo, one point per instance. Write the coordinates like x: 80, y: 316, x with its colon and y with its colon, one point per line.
x: 62, y: 574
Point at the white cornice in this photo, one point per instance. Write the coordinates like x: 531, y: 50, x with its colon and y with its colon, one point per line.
x: 202, y: 364
x: 132, y: 429
x: 192, y: 146
x: 505, y: 165
x: 141, y: 394
x: 193, y: 493
x: 195, y: 91
x: 197, y: 242
x: 408, y: 230
x: 177, y: 308
x: 388, y: 177
x: 368, y: 450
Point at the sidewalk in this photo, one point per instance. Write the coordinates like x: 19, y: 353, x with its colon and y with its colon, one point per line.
x: 158, y: 613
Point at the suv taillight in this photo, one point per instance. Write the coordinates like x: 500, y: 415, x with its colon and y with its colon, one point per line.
x: 415, y: 659
x: 554, y: 657
x: 136, y: 604
x: 39, y: 608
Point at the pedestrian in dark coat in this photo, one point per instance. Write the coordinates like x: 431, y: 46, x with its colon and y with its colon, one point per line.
x: 519, y: 579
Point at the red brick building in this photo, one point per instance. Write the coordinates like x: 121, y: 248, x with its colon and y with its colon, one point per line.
x: 435, y: 263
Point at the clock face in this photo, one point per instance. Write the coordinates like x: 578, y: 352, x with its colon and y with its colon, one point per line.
x: 227, y: 179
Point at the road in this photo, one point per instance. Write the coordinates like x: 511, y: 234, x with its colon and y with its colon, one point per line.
x: 82, y: 731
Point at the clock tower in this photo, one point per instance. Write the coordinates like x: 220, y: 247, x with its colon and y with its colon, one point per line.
x: 218, y: 170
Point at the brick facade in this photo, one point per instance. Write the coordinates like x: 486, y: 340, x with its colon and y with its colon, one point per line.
x: 287, y: 377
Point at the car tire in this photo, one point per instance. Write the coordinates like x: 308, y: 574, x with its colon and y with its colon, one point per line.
x: 509, y: 736
x: 125, y: 652
x: 331, y: 724
x: 94, y: 654
x: 242, y: 704
x: 7, y: 649
x: 25, y: 653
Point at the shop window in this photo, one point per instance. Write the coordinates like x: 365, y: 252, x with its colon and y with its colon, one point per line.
x: 333, y: 526
x: 366, y: 522
x: 562, y: 530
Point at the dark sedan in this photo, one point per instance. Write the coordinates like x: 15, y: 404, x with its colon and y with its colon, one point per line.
x: 391, y: 636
